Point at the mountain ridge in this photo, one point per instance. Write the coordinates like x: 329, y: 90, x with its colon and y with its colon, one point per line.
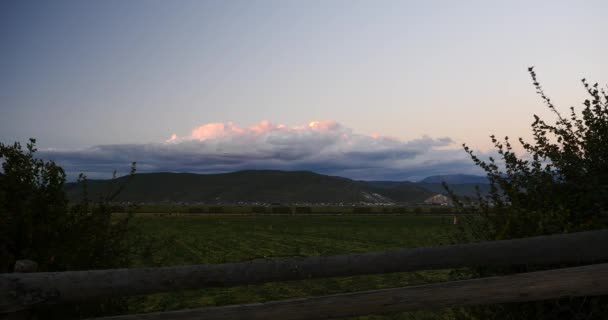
x: 455, y: 179
x: 256, y: 186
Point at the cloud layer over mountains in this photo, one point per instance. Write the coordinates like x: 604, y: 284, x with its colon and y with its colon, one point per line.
x: 322, y: 146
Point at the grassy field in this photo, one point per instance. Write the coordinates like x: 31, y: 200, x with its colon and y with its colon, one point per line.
x: 287, y: 209
x: 186, y: 239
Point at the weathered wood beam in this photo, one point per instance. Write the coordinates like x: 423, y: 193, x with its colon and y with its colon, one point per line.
x: 21, y: 291
x: 559, y: 283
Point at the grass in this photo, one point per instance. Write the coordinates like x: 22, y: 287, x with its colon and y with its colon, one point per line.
x: 283, y: 209
x: 187, y: 239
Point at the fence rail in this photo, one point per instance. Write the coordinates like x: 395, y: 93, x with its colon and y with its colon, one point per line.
x: 24, y: 291
x: 569, y: 282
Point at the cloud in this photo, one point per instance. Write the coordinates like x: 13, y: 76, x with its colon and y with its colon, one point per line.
x: 321, y: 146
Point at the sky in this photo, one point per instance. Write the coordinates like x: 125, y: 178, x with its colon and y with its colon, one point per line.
x: 362, y: 89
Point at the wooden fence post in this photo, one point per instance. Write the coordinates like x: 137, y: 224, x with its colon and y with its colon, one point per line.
x: 22, y: 291
x: 26, y: 266
x: 589, y: 280
x: 21, y: 266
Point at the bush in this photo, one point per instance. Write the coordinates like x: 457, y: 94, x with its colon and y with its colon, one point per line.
x: 400, y: 210
x: 281, y: 209
x: 258, y: 209
x: 36, y: 222
x: 362, y: 210
x: 560, y: 185
x: 216, y: 209
x: 196, y: 209
x: 440, y: 209
x: 303, y: 210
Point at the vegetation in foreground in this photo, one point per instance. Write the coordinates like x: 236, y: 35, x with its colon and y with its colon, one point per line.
x: 182, y: 240
x: 36, y: 223
x: 559, y: 185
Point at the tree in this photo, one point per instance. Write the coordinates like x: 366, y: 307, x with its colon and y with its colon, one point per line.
x: 559, y: 185
x: 38, y: 223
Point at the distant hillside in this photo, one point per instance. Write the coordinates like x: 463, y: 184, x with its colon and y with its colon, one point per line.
x: 246, y: 186
x: 267, y: 186
x: 406, y: 191
x: 400, y: 191
x: 461, y: 189
x: 456, y: 179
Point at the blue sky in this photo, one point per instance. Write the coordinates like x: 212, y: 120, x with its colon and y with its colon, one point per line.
x: 95, y: 81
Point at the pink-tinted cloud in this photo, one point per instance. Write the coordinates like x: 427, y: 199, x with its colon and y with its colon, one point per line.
x: 219, y: 130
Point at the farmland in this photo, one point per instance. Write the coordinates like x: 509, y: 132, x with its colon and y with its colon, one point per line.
x: 165, y: 240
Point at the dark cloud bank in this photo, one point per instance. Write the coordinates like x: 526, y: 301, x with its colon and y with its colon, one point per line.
x: 324, y: 147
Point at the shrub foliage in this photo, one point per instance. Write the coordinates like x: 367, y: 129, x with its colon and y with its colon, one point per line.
x: 558, y: 185
x: 38, y: 223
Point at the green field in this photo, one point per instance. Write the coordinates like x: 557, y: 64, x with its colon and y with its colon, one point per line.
x: 187, y: 239
x: 288, y: 209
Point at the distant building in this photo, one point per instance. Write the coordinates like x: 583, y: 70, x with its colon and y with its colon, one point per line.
x: 439, y: 199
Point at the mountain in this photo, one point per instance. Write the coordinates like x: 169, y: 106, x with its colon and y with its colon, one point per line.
x: 400, y: 191
x: 456, y: 179
x: 268, y: 186
x: 461, y: 189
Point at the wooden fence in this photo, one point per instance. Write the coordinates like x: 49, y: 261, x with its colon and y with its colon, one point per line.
x: 22, y: 291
